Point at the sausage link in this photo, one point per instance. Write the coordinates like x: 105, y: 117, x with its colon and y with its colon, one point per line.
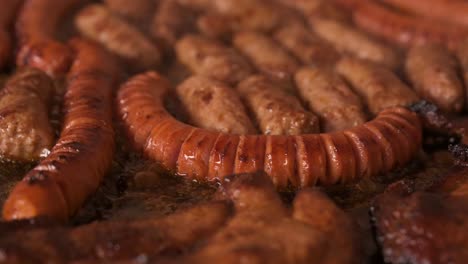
x: 291, y: 161
x: 379, y: 87
x: 433, y: 72
x: 330, y: 98
x: 306, y: 46
x: 276, y: 111
x: 349, y: 40
x: 36, y: 29
x: 61, y: 183
x: 7, y: 18
x: 25, y: 131
x: 212, y: 59
x: 213, y: 105
x: 98, y: 23
x: 404, y: 29
x: 268, y: 56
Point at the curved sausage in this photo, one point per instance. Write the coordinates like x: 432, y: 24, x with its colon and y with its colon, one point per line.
x: 350, y: 40
x: 330, y: 98
x: 61, y: 183
x: 213, y: 105
x: 7, y: 17
x: 378, y: 86
x: 276, y: 111
x: 25, y: 131
x: 98, y: 23
x: 449, y: 10
x: 267, y: 56
x: 212, y: 59
x: 404, y: 29
x: 433, y: 72
x: 291, y: 161
x: 36, y: 29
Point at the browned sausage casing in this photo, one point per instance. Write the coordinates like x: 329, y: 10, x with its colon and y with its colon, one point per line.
x: 268, y: 56
x: 25, y: 131
x: 305, y: 45
x: 213, y: 105
x: 212, y: 59
x: 330, y: 98
x: 363, y: 151
x: 98, y: 23
x: 61, y: 183
x: 434, y: 73
x: 350, y: 40
x: 7, y: 17
x: 276, y: 111
x: 378, y: 86
x: 36, y: 29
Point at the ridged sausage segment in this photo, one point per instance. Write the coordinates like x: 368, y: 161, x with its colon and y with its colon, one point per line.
x: 434, y: 73
x: 25, y: 131
x: 61, y: 183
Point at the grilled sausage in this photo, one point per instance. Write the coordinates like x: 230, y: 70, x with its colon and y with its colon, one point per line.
x: 349, y: 40
x: 26, y: 133
x: 98, y: 23
x: 277, y: 112
x: 61, y: 183
x: 434, y: 73
x: 36, y: 29
x: 404, y: 29
x: 137, y: 11
x: 363, y: 151
x: 330, y: 98
x: 268, y: 56
x: 7, y: 17
x: 305, y: 45
x: 212, y: 59
x: 452, y: 11
x: 213, y: 105
x: 379, y: 87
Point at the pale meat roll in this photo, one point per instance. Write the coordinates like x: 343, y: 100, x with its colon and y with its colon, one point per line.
x: 433, y: 71
x: 277, y: 112
x: 210, y: 58
x: 25, y: 130
x: 330, y: 98
x: 213, y: 105
x: 378, y: 86
x: 267, y: 56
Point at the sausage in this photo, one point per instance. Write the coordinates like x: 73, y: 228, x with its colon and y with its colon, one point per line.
x: 7, y: 17
x: 212, y: 59
x: 213, y: 105
x: 60, y: 184
x: 378, y: 86
x: 451, y: 11
x: 214, y: 25
x: 319, y: 8
x: 97, y: 22
x: 36, y: 29
x: 404, y: 29
x: 267, y: 56
x: 433, y: 72
x: 462, y: 56
x: 330, y: 98
x: 171, y: 21
x: 291, y: 161
x: 138, y: 12
x: 26, y: 133
x: 305, y: 45
x: 277, y: 112
x: 349, y: 40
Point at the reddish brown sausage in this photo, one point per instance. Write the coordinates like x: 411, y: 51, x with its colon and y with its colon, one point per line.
x: 297, y: 161
x: 404, y: 29
x: 36, y: 29
x: 61, y: 183
x: 25, y: 131
x: 7, y: 17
